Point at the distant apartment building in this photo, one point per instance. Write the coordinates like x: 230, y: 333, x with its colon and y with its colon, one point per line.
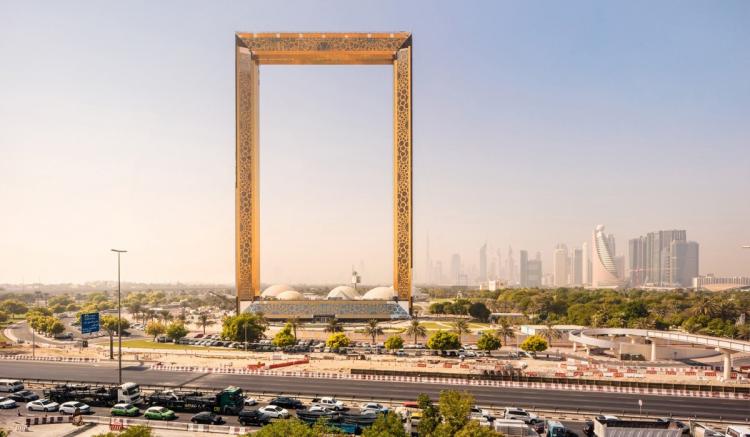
x: 663, y: 259
x: 576, y: 267
x: 483, y: 263
x: 586, y: 264
x: 534, y: 273
x: 604, y: 265
x: 523, y: 272
x: 455, y: 269
x: 560, y: 265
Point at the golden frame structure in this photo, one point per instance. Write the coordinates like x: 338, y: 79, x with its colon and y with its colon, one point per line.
x: 255, y: 49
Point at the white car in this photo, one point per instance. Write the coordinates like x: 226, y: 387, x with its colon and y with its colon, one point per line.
x: 519, y: 414
x: 42, y: 405
x: 274, y: 412
x: 249, y: 402
x: 374, y: 407
x: 7, y: 403
x: 330, y: 403
x: 319, y: 409
x: 70, y: 408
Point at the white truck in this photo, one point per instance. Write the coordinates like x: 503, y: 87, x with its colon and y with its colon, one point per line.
x: 329, y: 402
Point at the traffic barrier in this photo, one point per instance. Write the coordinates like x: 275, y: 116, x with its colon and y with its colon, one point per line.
x: 44, y: 420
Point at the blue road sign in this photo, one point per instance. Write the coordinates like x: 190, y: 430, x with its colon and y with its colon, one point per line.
x: 89, y: 323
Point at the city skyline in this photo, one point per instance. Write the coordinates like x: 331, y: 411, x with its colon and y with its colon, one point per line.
x: 122, y: 148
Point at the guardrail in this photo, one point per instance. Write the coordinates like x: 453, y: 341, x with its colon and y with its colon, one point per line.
x: 497, y: 411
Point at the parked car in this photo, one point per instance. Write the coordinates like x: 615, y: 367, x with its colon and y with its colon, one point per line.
x: 159, y: 413
x: 373, y: 406
x: 520, y: 414
x: 274, y: 412
x: 679, y: 424
x: 286, y: 402
x: 588, y: 428
x: 70, y: 408
x: 207, y: 418
x: 249, y: 402
x: 7, y: 403
x: 253, y: 417
x: 329, y: 402
x: 125, y: 409
x: 481, y: 414
x: 24, y: 396
x: 42, y: 405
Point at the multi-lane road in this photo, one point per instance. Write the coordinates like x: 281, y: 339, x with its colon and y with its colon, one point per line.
x: 613, y: 403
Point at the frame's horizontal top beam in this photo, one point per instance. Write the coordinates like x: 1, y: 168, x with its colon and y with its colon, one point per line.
x: 324, y: 48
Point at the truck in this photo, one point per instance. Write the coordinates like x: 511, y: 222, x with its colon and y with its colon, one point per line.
x: 101, y: 395
x: 329, y: 402
x: 228, y: 401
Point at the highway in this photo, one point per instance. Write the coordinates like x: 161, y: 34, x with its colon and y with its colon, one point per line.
x: 612, y: 403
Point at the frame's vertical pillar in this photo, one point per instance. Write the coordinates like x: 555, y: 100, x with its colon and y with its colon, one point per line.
x: 247, y: 243
x: 402, y: 178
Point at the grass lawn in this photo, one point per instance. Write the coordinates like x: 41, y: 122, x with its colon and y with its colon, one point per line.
x: 148, y: 344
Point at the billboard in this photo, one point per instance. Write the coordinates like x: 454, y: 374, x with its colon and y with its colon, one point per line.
x: 89, y: 323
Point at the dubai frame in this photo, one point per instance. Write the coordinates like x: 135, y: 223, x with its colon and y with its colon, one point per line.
x: 255, y: 49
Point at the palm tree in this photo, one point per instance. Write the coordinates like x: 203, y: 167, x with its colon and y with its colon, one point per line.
x: 205, y: 319
x: 416, y: 329
x: 165, y: 315
x: 333, y: 326
x: 705, y: 307
x: 551, y: 333
x: 373, y: 330
x: 461, y: 327
x: 295, y: 323
x: 504, y: 330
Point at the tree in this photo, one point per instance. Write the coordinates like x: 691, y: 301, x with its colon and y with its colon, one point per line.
x: 550, y: 332
x: 333, y: 325
x: 337, y: 340
x: 415, y: 330
x: 247, y: 327
x: 386, y: 425
x: 437, y: 308
x: 479, y: 311
x: 474, y: 429
x: 455, y: 408
x: 284, y: 337
x: 165, y: 315
x: 461, y: 327
x: 373, y: 330
x: 54, y: 326
x: 534, y: 343
x: 430, y: 416
x: 504, y: 330
x: 14, y: 307
x: 284, y: 428
x: 295, y: 323
x: 155, y: 328
x: 4, y: 317
x: 109, y: 324
x: 488, y: 342
x: 444, y: 340
x: 394, y: 342
x: 176, y: 330
x: 205, y: 319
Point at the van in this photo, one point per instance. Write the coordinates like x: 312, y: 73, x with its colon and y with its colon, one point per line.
x: 738, y: 431
x: 11, y: 385
x: 554, y: 429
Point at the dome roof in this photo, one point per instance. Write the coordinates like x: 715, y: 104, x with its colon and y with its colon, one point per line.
x: 290, y: 295
x: 380, y: 293
x: 343, y: 292
x: 275, y: 290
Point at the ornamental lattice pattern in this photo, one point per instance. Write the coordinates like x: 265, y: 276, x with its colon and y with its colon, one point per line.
x: 337, y: 48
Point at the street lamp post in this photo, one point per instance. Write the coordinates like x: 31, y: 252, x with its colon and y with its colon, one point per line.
x: 119, y: 318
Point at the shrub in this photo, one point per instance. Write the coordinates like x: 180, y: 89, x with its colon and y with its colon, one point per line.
x: 394, y: 342
x: 337, y: 340
x: 444, y: 340
x: 534, y: 343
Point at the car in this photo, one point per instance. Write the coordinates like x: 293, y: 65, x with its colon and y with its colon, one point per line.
x: 42, y: 405
x: 588, y: 428
x: 253, y: 417
x: 677, y: 423
x: 274, y: 412
x: 477, y: 413
x: 71, y: 406
x: 520, y: 414
x: 159, y: 413
x: 7, y: 403
x: 329, y: 402
x: 286, y: 402
x: 322, y: 409
x: 23, y: 396
x: 207, y: 418
x: 125, y: 409
x: 249, y: 402
x: 373, y: 406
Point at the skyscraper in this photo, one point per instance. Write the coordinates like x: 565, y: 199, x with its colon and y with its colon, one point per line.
x: 560, y: 265
x: 684, y: 264
x: 455, y: 269
x: 576, y: 267
x: 652, y: 261
x: 604, y: 269
x: 585, y: 264
x: 534, y: 273
x: 483, y: 263
x: 523, y: 278
x: 511, y: 267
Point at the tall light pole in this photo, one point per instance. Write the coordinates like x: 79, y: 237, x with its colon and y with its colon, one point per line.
x: 119, y: 319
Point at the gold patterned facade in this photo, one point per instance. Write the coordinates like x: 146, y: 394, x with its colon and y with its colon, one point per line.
x: 255, y: 49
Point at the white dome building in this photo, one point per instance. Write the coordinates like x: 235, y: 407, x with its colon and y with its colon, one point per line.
x: 343, y: 292
x: 290, y: 295
x: 380, y: 293
x: 275, y: 290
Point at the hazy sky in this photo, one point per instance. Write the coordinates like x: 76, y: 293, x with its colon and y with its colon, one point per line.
x: 533, y: 122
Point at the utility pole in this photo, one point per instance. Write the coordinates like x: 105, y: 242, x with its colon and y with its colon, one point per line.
x: 119, y: 318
